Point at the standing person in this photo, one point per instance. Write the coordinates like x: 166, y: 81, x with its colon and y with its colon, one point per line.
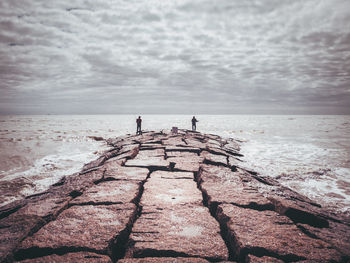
x: 138, y: 122
x: 194, y: 121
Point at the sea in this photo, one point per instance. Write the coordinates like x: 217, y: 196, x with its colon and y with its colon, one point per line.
x: 308, y: 153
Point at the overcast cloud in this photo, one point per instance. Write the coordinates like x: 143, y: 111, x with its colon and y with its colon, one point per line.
x: 175, y: 56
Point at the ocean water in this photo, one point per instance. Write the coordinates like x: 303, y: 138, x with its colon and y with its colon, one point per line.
x: 310, y: 154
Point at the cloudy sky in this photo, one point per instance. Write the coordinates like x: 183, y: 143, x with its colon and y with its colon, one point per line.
x: 175, y: 56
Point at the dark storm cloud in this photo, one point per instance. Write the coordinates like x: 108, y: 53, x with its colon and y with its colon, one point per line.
x: 172, y: 56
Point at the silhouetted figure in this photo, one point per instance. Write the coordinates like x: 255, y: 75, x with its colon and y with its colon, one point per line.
x: 138, y: 122
x: 194, y: 121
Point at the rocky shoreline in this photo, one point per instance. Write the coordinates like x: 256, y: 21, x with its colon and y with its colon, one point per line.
x: 162, y: 197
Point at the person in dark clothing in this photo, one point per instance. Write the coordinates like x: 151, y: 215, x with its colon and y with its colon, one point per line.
x: 194, y: 121
x: 138, y: 122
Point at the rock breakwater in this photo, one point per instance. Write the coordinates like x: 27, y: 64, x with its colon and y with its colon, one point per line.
x: 162, y: 197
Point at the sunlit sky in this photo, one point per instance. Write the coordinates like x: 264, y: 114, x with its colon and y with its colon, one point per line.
x: 175, y: 56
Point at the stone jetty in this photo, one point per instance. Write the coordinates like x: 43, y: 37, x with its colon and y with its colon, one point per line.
x: 162, y: 197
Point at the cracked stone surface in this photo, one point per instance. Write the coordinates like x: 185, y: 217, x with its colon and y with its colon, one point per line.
x: 174, y: 221
x: 253, y: 230
x: 166, y: 189
x: 177, y: 231
x: 112, y: 192
x: 218, y: 184
x: 87, y: 257
x: 254, y: 259
x: 148, y: 162
x: 118, y: 172
x: 162, y: 197
x: 87, y: 226
x: 163, y: 260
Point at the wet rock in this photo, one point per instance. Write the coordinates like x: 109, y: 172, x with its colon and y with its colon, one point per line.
x: 80, y: 227
x: 125, y: 153
x: 96, y: 138
x: 95, y: 163
x: 177, y: 232
x: 87, y: 257
x: 111, y: 192
x: 10, y: 208
x: 76, y: 183
x: 163, y: 260
x: 232, y: 145
x: 270, y: 234
x: 110, y: 154
x: 234, y: 161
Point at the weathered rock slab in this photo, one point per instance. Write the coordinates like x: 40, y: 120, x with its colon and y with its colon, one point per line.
x: 92, y: 227
x: 253, y: 231
x: 152, y: 162
x: 47, y: 207
x: 15, y: 228
x: 83, y: 257
x: 221, y: 185
x: 265, y: 259
x: 189, y: 231
x: 110, y: 192
x: 163, y: 260
x: 125, y: 173
x: 164, y: 189
x: 214, y: 158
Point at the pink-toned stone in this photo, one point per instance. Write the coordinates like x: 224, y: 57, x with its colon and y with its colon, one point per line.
x: 186, y: 155
x: 163, y: 190
x: 126, y: 173
x: 83, y: 257
x: 148, y: 162
x: 254, y: 259
x: 176, y: 140
x: 89, y: 227
x: 152, y: 146
x: 13, y: 229
x: 233, y: 161
x: 163, y: 260
x: 214, y: 158
x: 183, y: 164
x: 337, y: 234
x: 177, y: 231
x: 251, y: 230
x: 110, y: 192
x: 150, y: 153
x: 171, y: 148
x: 221, y: 185
x: 48, y: 207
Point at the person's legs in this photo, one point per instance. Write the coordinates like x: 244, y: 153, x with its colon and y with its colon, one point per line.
x: 139, y: 130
